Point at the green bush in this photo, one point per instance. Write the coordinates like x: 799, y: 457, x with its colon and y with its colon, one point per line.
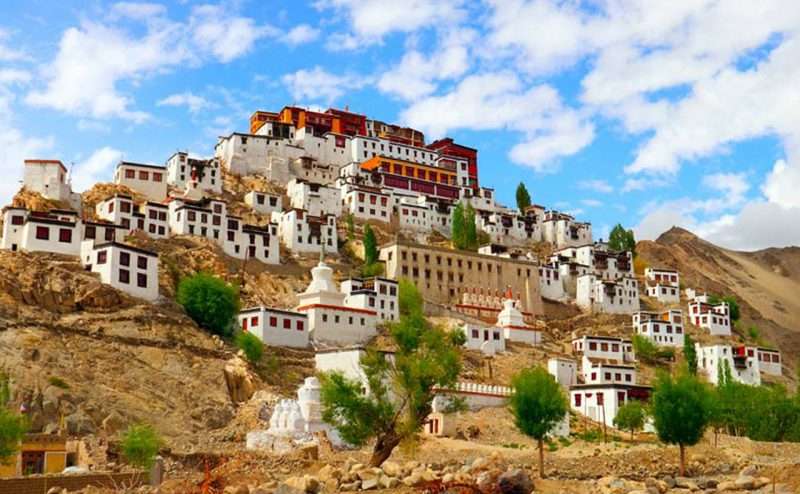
x: 374, y: 269
x: 58, y: 382
x: 630, y: 417
x: 210, y: 301
x: 140, y: 445
x: 12, y: 429
x: 249, y: 343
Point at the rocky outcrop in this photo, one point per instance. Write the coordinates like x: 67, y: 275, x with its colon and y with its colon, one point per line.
x: 239, y: 380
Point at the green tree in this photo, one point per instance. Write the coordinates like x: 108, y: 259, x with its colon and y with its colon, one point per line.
x: 458, y: 233
x: 681, y: 411
x: 690, y: 354
x: 140, y: 445
x: 370, y: 246
x: 470, y: 229
x: 252, y: 347
x: 523, y: 197
x: 630, y: 417
x: 12, y: 429
x: 351, y: 227
x: 211, y: 302
x: 410, y: 301
x: 621, y: 239
x: 538, y: 404
x: 648, y: 351
x: 733, y: 305
x: 400, y: 389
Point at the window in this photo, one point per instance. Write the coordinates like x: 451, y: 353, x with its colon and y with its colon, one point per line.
x: 141, y: 280
x: 273, y: 322
x: 158, y: 177
x: 89, y: 232
x: 143, y: 175
x: 577, y: 400
x: 125, y: 206
x: 124, y: 276
x: 65, y: 235
x: 287, y: 324
x: 141, y: 262
x: 299, y: 325
x: 124, y: 258
x: 42, y: 233
x: 17, y: 220
x: 130, y: 174
x: 102, y: 257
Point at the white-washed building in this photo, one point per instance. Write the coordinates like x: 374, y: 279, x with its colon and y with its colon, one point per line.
x: 488, y: 340
x: 715, y: 359
x: 127, y: 268
x: 597, y: 371
x: 561, y: 230
x: 368, y: 203
x: 550, y: 284
x: 662, y: 328
x: 512, y: 322
x: 263, y: 203
x: 119, y: 209
x: 716, y: 318
x: 564, y: 370
x: 187, y: 172
x: 330, y: 320
x: 276, y: 327
x: 58, y: 231
x: 605, y: 348
x: 601, y: 402
x: 605, y: 296
x: 156, y: 220
x: 50, y: 179
x: 317, y: 199
x: 376, y: 293
x: 148, y: 180
x: 663, y: 285
x: 769, y: 361
x: 304, y: 233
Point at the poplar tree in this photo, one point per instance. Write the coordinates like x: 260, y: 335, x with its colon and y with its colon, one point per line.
x: 457, y: 230
x: 523, y: 198
x: 370, y: 246
x: 471, y: 229
x: 621, y: 239
x: 690, y: 354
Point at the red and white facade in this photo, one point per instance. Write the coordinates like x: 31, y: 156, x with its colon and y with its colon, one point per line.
x: 611, y: 297
x: 605, y: 348
x: 368, y: 203
x: 188, y: 173
x: 713, y: 360
x: 58, y: 231
x: 662, y: 328
x: 304, y: 233
x: 715, y: 318
x: 126, y: 268
x: 601, y: 402
x: 663, y: 285
x: 276, y: 327
x: 263, y: 203
x: 512, y: 322
x: 317, y: 199
x: 377, y: 293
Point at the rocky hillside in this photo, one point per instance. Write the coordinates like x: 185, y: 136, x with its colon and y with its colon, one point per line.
x: 766, y: 283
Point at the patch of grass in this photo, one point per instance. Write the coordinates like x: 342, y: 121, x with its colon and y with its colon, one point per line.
x: 590, y: 436
x: 513, y: 446
x: 551, y: 445
x: 58, y: 382
x: 564, y: 441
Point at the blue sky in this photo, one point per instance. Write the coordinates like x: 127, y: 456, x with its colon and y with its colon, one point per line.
x: 682, y: 113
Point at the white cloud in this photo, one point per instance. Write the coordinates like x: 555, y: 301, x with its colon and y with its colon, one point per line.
x: 193, y: 102
x: 300, y: 34
x: 782, y: 185
x: 601, y: 186
x: 592, y: 203
x: 216, y: 30
x: 97, y: 62
x: 500, y: 101
x: 97, y: 168
x: 8, y: 54
x: 416, y: 74
x: 370, y: 20
x: 317, y: 84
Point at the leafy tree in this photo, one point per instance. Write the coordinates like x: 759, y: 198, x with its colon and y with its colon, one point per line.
x: 249, y: 343
x: 681, y: 411
x: 733, y: 305
x: 690, y: 354
x: 649, y: 351
x: 538, y: 404
x: 630, y: 417
x: 12, y: 429
x: 621, y: 239
x: 523, y: 197
x: 370, y: 246
x: 211, y: 302
x: 458, y: 233
x: 5, y: 388
x: 470, y: 229
x: 409, y: 299
x: 140, y: 445
x: 400, y: 389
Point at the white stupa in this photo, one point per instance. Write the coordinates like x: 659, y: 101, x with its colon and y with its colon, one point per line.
x: 513, y: 322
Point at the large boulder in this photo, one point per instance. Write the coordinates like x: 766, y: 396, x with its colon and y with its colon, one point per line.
x: 514, y: 482
x: 240, y: 382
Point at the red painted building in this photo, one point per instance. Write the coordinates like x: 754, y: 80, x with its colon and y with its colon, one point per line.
x: 448, y: 147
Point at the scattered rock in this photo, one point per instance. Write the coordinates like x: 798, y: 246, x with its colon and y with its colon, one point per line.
x: 369, y: 484
x: 749, y: 471
x: 240, y: 382
x: 392, y: 469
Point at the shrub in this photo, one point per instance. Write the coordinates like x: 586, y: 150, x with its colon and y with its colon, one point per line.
x: 140, y: 445
x: 375, y: 269
x: 211, y: 302
x: 409, y: 298
x: 538, y: 404
x: 630, y: 417
x: 12, y: 429
x: 249, y: 343
x: 370, y: 246
x: 58, y: 382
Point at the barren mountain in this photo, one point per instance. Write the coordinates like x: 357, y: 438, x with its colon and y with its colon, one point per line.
x: 766, y: 283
